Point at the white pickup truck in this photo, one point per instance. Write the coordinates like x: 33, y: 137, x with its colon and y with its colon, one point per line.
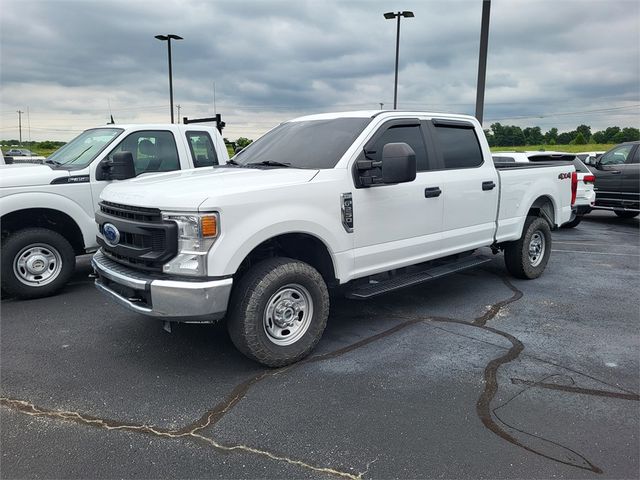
x: 369, y: 201
x: 48, y: 210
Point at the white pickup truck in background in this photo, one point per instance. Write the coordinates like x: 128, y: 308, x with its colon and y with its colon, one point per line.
x: 48, y: 210
x: 585, y: 195
x: 368, y: 201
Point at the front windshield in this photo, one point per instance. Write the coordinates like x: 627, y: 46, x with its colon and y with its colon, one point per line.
x: 307, y: 144
x: 81, y: 151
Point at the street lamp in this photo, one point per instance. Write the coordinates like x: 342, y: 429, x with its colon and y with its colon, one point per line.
x: 168, y: 39
x: 389, y: 16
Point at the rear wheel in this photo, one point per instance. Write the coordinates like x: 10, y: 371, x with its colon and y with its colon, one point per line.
x: 527, y: 257
x: 278, y: 311
x: 36, y: 262
x: 626, y: 213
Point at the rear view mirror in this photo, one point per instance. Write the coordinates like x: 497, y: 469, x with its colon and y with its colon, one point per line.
x: 398, y: 163
x: 120, y: 167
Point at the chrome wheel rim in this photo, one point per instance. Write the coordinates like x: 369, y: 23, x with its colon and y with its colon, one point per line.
x: 537, y: 246
x: 288, y: 314
x: 37, y: 264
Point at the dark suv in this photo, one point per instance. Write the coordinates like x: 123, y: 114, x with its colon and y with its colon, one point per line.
x: 618, y: 180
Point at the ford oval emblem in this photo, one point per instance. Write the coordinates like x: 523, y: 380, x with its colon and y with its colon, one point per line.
x: 111, y: 234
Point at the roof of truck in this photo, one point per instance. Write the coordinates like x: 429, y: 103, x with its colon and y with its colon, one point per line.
x: 375, y: 113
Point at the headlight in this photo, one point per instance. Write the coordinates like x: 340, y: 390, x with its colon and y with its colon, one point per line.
x: 196, y: 234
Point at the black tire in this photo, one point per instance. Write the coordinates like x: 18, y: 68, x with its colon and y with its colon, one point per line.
x: 254, y: 308
x: 517, y: 256
x: 40, y: 247
x: 626, y: 214
x: 573, y: 223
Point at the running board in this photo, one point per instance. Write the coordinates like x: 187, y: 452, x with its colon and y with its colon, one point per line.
x: 409, y: 279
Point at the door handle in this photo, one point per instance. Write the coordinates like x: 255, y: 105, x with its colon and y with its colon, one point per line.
x: 614, y: 172
x: 490, y: 185
x: 432, y: 192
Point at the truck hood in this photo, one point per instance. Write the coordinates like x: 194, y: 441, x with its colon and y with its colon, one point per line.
x: 186, y: 190
x: 25, y: 175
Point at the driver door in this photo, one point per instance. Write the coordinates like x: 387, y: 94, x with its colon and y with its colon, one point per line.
x: 397, y: 224
x: 609, y: 176
x: 153, y: 151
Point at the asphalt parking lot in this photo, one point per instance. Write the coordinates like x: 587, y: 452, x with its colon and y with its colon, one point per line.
x: 478, y: 375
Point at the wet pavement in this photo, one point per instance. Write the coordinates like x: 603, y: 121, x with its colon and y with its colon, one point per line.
x: 477, y: 375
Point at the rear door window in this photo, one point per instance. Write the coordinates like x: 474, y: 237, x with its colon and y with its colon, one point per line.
x: 459, y: 147
x: 202, y: 150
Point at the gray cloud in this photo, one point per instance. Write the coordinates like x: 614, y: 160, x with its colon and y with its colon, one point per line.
x: 271, y: 60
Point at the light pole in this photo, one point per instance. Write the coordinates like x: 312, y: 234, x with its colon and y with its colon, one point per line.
x: 20, y: 112
x: 482, y: 61
x: 389, y: 16
x: 168, y: 39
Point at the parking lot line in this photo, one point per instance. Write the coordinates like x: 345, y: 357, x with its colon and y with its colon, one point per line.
x: 598, y: 253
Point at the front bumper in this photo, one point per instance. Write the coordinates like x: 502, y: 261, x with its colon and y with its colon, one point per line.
x: 178, y: 300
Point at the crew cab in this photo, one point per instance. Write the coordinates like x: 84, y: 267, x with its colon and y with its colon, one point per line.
x: 48, y: 210
x: 366, y: 201
x: 585, y: 197
x: 618, y: 180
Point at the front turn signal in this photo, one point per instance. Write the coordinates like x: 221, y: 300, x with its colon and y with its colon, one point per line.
x: 209, y: 226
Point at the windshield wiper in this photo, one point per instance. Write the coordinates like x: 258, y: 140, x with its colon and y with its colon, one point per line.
x: 269, y: 163
x: 231, y: 161
x: 54, y: 162
x: 81, y: 153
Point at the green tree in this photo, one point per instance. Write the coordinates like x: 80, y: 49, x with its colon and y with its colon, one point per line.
x: 617, y: 138
x: 585, y: 130
x: 580, y: 140
x: 533, y: 135
x: 551, y: 135
x: 243, y: 142
x: 610, y: 133
x: 566, y: 138
x: 630, y: 134
x: 599, y: 137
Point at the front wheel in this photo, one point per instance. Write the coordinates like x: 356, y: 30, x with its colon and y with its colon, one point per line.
x: 278, y: 311
x: 626, y: 213
x: 36, y: 262
x: 527, y: 257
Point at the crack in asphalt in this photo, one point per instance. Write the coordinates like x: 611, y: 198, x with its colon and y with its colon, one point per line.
x: 239, y: 392
x: 32, y: 410
x: 572, y: 389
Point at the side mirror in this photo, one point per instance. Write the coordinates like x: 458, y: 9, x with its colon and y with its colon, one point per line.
x: 238, y: 150
x: 120, y: 167
x: 398, y: 163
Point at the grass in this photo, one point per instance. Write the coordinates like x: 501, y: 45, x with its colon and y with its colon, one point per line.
x: 593, y: 147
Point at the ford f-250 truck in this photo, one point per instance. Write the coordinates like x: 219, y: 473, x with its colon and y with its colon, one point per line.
x: 48, y: 210
x: 368, y: 201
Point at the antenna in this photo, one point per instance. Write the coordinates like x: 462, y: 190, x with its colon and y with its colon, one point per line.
x: 110, y: 112
x: 214, y: 98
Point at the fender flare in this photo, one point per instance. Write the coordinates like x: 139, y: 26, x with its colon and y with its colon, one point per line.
x: 52, y: 201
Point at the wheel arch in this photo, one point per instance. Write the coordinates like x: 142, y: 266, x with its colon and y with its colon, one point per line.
x: 544, y: 207
x: 301, y: 246
x: 48, y: 218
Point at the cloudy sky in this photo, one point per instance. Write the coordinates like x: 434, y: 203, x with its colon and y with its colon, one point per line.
x: 554, y: 63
